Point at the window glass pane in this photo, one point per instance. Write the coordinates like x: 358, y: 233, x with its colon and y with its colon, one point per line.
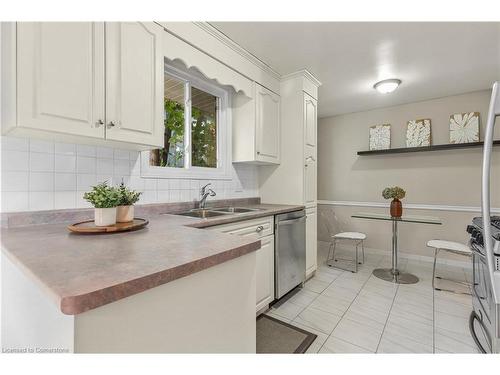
x: 172, y: 155
x: 203, y: 129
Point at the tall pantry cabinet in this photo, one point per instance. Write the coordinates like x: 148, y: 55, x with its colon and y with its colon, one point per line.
x: 294, y: 181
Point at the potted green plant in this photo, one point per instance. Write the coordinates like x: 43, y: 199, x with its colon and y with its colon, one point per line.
x: 105, y: 199
x: 125, y: 210
x: 396, y: 193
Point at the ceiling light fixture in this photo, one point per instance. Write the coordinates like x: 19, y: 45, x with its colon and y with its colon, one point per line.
x: 387, y: 85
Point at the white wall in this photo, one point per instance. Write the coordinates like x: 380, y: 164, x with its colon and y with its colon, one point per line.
x: 44, y: 175
x: 440, y: 178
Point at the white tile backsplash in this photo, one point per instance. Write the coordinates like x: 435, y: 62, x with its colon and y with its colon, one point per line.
x: 85, y: 164
x: 15, y: 144
x: 41, y: 162
x: 65, y: 148
x: 15, y: 201
x: 41, y: 200
x: 104, y: 166
x: 121, y: 154
x: 14, y: 181
x: 13, y: 160
x: 41, y: 175
x: 104, y: 152
x: 64, y: 199
x: 65, y: 182
x: 84, y: 150
x: 84, y: 181
x: 41, y: 181
x: 37, y: 145
x: 65, y: 163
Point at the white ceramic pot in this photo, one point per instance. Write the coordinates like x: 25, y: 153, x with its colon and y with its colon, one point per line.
x: 124, y: 214
x: 104, y: 216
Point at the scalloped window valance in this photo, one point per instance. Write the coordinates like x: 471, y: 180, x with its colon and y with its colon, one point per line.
x: 176, y: 49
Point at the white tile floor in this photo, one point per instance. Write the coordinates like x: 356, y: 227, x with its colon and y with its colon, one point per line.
x: 359, y: 313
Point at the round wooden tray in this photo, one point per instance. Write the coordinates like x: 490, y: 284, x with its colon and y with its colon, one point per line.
x: 88, y: 227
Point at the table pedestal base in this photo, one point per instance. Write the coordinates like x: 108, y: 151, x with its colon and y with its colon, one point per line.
x: 397, y: 277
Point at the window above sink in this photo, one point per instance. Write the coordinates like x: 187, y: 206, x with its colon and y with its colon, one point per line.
x: 197, y: 131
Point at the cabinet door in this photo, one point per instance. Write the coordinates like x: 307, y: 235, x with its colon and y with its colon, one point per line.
x: 310, y: 179
x: 134, y: 83
x: 268, y: 125
x: 265, y: 273
x: 60, y: 73
x: 310, y: 114
x: 311, y: 240
x: 310, y: 151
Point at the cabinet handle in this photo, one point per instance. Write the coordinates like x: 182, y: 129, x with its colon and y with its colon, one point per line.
x: 111, y: 124
x: 258, y: 152
x: 259, y: 229
x: 98, y: 123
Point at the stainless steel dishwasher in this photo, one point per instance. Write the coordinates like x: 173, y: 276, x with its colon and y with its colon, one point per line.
x: 290, y: 251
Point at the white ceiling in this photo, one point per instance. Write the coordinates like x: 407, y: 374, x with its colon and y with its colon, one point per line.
x: 432, y: 59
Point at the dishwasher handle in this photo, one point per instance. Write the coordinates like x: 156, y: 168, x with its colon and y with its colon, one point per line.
x: 291, y: 221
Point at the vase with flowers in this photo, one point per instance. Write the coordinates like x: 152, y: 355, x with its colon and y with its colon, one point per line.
x: 396, y: 193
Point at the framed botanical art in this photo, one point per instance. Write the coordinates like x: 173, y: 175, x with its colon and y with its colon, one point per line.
x: 464, y: 127
x: 418, y: 133
x: 380, y: 137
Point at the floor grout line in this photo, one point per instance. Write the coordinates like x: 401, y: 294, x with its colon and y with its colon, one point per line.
x: 388, y: 316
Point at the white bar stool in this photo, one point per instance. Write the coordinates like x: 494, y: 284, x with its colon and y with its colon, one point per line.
x: 451, y: 247
x: 356, y: 237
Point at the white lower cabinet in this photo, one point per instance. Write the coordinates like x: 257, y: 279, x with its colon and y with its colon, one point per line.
x: 263, y: 229
x: 311, y: 240
x: 265, y: 273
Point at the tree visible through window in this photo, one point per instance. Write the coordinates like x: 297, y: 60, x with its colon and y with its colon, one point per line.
x: 203, y: 129
x: 180, y: 100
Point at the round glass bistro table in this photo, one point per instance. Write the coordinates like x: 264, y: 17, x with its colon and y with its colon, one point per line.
x: 393, y: 274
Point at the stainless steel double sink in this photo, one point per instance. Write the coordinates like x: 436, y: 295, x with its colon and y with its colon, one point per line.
x: 216, y: 211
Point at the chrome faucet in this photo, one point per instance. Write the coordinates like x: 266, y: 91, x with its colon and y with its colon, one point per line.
x: 204, y: 193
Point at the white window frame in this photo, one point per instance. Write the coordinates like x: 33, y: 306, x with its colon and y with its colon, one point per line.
x: 224, y: 152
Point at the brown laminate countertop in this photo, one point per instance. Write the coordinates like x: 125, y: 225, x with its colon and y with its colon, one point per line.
x: 82, y: 272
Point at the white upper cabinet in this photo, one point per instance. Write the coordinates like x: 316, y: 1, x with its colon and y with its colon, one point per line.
x: 86, y: 82
x: 310, y: 114
x: 60, y: 77
x: 268, y: 125
x: 134, y: 76
x: 256, y: 127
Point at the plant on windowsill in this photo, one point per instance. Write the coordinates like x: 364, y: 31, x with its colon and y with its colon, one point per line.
x: 105, y: 199
x: 125, y: 209
x: 396, y: 193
